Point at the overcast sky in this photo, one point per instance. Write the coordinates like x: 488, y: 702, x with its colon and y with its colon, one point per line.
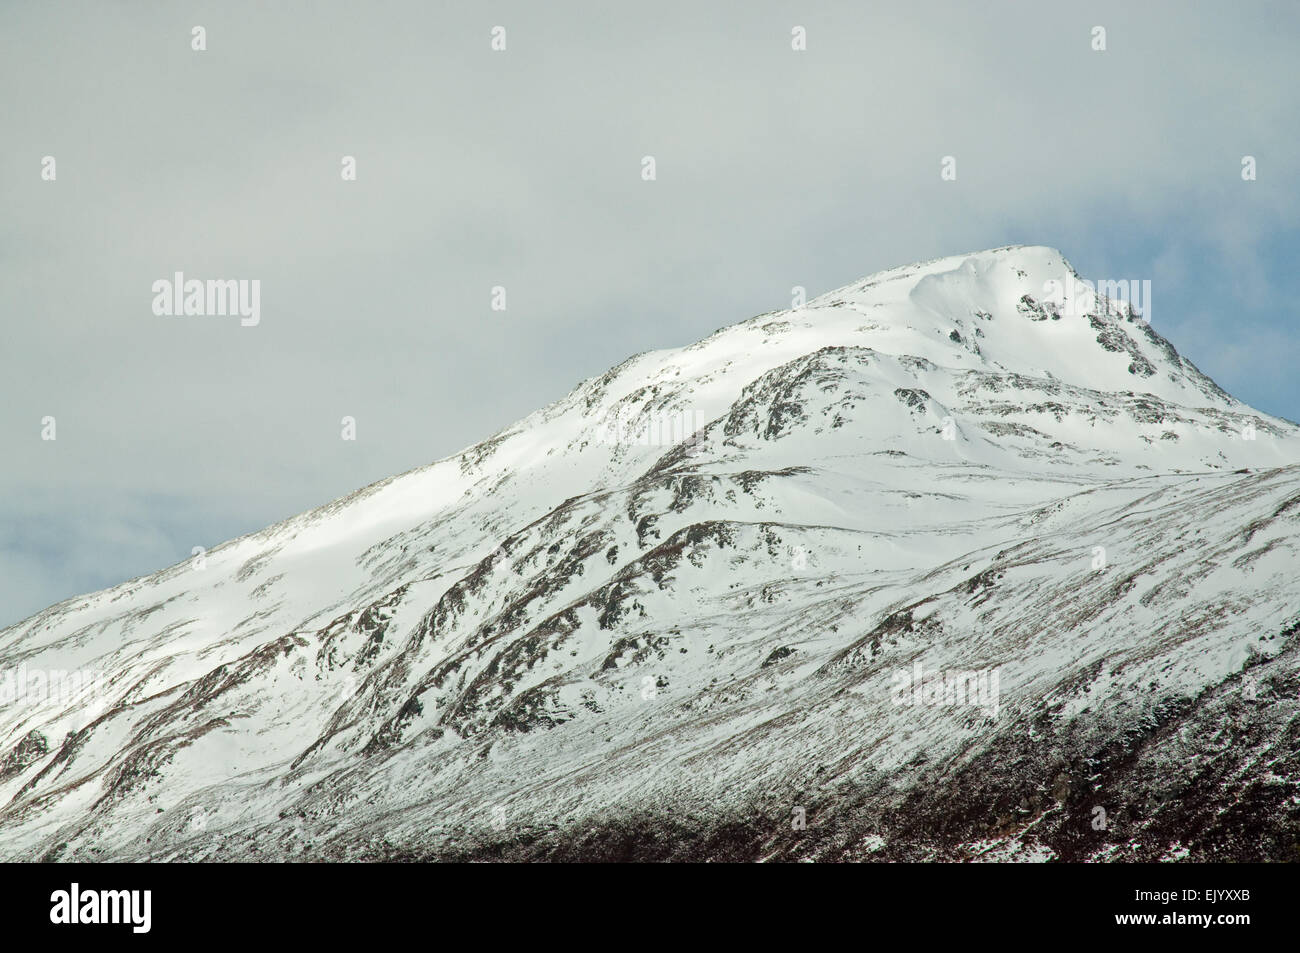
x: 522, y: 169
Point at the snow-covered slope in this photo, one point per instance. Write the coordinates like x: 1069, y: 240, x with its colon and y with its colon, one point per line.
x: 678, y: 607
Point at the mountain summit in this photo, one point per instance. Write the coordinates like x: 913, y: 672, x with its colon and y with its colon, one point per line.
x: 961, y: 561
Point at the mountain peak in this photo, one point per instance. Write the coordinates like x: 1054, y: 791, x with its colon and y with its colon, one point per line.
x: 687, y: 582
x: 1035, y: 261
x: 1022, y: 309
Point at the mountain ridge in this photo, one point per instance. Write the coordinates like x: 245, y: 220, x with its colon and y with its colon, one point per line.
x: 869, y: 472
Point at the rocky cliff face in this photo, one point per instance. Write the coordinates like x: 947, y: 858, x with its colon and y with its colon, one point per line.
x: 940, y: 565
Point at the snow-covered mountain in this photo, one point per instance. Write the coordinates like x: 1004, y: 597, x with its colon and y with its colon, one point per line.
x: 688, y: 610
